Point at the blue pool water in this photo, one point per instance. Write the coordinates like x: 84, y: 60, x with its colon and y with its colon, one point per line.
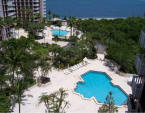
x: 98, y: 84
x: 97, y: 8
x: 59, y: 32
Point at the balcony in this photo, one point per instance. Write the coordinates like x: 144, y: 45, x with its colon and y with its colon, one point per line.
x: 10, y: 3
x: 11, y: 14
x: 35, y: 11
x: 142, y: 39
x: 11, y: 8
x: 36, y: 8
x: 137, y: 87
x: 140, y: 64
x: 135, y: 101
x: 36, y: 1
x: 131, y: 104
x: 36, y: 5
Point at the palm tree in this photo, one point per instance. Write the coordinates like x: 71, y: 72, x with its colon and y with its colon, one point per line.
x: 6, y: 23
x: 59, y: 25
x: 55, y: 50
x: 55, y: 102
x: 37, y: 16
x: 33, y: 28
x: 17, y: 59
x: 4, y: 79
x: 56, y: 38
x: 61, y: 100
x: 46, y: 99
x: 5, y: 105
x: 43, y: 60
x: 49, y: 14
x: 44, y: 20
x: 1, y: 24
x: 64, y: 18
x: 28, y: 12
x: 9, y: 21
x: 55, y: 16
x: 71, y: 23
x: 109, y: 105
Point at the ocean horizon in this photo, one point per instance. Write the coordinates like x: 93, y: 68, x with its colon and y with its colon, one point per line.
x: 97, y: 8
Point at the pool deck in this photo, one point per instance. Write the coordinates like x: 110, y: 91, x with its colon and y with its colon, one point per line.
x: 78, y: 104
x: 48, y: 35
x: 48, y: 38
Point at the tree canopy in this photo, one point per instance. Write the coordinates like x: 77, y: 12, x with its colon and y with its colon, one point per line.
x: 121, y: 36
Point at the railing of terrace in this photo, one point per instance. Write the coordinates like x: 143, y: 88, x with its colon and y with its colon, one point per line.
x: 140, y: 64
x: 137, y: 87
x: 131, y: 104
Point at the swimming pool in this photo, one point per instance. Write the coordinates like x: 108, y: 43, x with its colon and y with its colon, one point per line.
x: 59, y: 32
x: 98, y: 84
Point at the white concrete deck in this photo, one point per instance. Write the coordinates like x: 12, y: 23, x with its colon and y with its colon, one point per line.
x: 78, y: 104
x: 48, y: 38
x: 17, y: 33
x: 47, y: 34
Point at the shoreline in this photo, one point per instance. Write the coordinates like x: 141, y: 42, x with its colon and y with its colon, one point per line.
x: 109, y: 18
x: 98, y: 18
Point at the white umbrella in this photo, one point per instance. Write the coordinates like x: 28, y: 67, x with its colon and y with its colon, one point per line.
x: 85, y: 59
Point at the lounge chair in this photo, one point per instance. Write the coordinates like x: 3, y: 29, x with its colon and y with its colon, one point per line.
x: 83, y: 63
x: 80, y: 65
x: 70, y: 70
x: 129, y: 81
x: 66, y: 72
x: 73, y: 68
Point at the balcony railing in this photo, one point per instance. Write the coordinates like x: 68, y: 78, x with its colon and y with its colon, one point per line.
x: 142, y: 39
x: 137, y: 87
x: 35, y: 4
x: 131, y: 104
x: 11, y: 14
x: 11, y: 8
x: 10, y: 3
x: 140, y: 64
x: 36, y: 8
x: 36, y: 1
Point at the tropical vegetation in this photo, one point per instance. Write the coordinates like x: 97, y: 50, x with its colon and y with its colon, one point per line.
x: 108, y: 106
x: 120, y: 36
x: 20, y: 58
x: 55, y: 102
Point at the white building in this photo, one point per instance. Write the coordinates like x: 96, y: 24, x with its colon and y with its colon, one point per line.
x: 20, y: 9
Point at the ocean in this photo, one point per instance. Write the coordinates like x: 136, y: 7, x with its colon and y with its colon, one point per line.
x: 97, y: 8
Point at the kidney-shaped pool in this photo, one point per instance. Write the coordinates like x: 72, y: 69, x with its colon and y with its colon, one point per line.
x: 98, y: 84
